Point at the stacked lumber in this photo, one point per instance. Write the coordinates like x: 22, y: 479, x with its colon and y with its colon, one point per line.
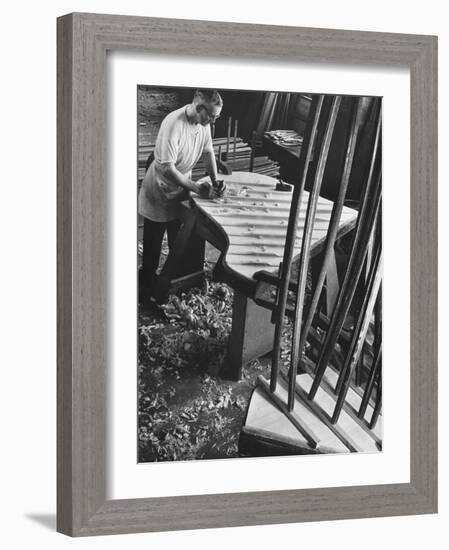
x: 236, y: 154
x: 219, y: 146
x: 287, y: 138
x: 199, y: 170
x: 241, y: 157
x: 142, y: 156
x: 261, y: 165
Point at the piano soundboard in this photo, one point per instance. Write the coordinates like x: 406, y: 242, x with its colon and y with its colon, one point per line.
x: 254, y: 216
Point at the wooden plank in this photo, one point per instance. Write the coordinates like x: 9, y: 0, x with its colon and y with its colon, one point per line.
x: 360, y: 330
x: 307, y: 243
x: 284, y: 276
x: 187, y: 281
x: 374, y: 373
x: 299, y: 418
x: 255, y: 221
x: 261, y: 231
x: 259, y: 442
x: 377, y: 407
x: 251, y: 335
x: 248, y: 270
x: 263, y: 415
x: 321, y: 410
x: 338, y: 214
x: 352, y: 403
x: 365, y: 220
x: 328, y: 441
x: 228, y: 135
x: 348, y: 426
x: 265, y: 211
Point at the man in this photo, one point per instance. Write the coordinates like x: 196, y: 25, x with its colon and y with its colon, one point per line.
x: 184, y: 136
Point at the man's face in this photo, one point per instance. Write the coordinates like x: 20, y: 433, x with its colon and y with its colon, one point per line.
x: 208, y: 113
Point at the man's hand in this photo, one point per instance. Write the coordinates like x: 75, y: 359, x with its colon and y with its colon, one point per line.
x: 205, y: 189
x: 219, y: 186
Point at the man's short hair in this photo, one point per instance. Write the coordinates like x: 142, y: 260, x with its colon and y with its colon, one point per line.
x: 209, y: 96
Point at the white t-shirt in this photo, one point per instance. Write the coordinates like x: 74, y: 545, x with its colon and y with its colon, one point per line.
x: 178, y: 141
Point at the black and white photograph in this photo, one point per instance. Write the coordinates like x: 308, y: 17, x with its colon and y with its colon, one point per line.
x: 259, y: 273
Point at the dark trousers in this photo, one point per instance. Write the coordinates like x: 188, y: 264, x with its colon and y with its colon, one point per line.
x: 153, y: 235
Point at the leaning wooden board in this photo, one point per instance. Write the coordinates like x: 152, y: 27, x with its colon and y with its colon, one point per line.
x: 254, y: 216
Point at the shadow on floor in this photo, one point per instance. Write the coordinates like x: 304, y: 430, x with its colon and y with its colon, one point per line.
x: 46, y: 520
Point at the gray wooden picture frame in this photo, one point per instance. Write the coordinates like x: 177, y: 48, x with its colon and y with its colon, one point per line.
x: 83, y: 40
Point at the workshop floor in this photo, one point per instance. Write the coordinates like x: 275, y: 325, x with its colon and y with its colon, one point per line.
x: 186, y: 411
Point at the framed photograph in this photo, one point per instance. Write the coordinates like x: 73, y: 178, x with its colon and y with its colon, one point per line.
x: 225, y: 279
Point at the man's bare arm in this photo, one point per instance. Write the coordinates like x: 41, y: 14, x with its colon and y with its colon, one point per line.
x: 211, y: 165
x: 170, y: 171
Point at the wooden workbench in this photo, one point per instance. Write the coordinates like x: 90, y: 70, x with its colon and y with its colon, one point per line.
x: 248, y: 226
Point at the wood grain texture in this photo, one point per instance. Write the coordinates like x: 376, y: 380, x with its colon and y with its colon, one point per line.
x: 83, y: 40
x: 64, y: 278
x: 254, y: 217
x: 423, y: 272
